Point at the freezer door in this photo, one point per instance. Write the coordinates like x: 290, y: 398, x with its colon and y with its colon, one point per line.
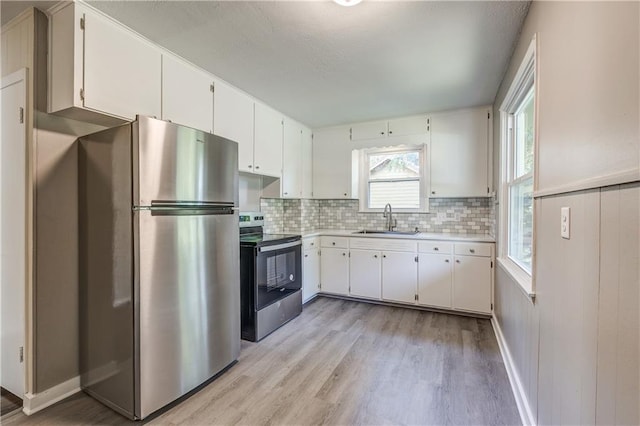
x: 173, y: 163
x: 187, y: 301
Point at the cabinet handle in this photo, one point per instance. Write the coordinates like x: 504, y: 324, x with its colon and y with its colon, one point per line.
x: 286, y: 193
x: 472, y: 250
x: 436, y: 249
x: 446, y: 260
x: 250, y: 166
x: 457, y: 260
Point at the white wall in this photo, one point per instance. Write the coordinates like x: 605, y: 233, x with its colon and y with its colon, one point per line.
x: 575, y: 349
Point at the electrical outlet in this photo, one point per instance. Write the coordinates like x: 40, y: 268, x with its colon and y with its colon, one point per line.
x: 565, y: 222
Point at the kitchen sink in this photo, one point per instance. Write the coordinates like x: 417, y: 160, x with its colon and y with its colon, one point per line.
x: 370, y: 231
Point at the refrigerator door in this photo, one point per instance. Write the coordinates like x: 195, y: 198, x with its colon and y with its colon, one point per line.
x: 178, y: 164
x: 187, y: 292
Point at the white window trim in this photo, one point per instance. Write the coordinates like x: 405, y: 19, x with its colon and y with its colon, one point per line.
x: 519, y: 89
x: 363, y: 178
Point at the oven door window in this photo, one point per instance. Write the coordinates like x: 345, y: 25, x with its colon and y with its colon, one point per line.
x: 278, y: 275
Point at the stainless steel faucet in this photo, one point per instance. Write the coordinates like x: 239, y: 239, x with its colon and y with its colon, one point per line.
x: 391, y: 222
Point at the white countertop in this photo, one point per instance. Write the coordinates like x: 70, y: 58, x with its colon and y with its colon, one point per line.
x: 482, y: 238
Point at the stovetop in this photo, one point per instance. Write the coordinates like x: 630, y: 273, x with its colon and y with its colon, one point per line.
x: 258, y: 238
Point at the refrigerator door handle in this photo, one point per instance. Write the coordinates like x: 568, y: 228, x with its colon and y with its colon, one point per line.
x: 207, y: 204
x: 188, y: 211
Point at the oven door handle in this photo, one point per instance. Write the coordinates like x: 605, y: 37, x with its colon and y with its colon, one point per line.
x: 280, y: 246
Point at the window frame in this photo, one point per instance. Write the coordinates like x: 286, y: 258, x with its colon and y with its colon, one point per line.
x: 523, y: 85
x: 363, y: 186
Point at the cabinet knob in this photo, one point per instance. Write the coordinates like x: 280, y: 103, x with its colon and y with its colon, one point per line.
x: 433, y: 192
x: 344, y: 254
x: 286, y: 193
x: 390, y: 132
x: 334, y: 243
x: 312, y: 243
x: 457, y: 260
x: 345, y: 194
x: 306, y: 255
x: 472, y: 250
x: 384, y: 255
x: 382, y: 133
x: 436, y: 249
x: 257, y: 167
x: 375, y: 255
x: 250, y: 166
x: 446, y: 260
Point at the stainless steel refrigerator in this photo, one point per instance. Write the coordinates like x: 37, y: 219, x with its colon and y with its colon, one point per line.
x: 159, y: 263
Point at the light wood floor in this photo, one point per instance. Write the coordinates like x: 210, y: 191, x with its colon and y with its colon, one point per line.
x: 343, y: 362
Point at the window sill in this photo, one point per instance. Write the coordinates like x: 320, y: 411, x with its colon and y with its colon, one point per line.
x: 522, y: 279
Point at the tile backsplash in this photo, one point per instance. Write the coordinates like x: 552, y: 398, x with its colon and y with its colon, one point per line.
x: 446, y: 215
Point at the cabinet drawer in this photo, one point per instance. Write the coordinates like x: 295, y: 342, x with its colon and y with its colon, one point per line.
x: 383, y: 244
x: 310, y: 243
x: 473, y: 249
x: 337, y: 242
x: 440, y: 247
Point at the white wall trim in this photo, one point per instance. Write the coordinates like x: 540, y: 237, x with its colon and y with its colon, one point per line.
x: 39, y: 401
x: 622, y: 177
x: 524, y: 408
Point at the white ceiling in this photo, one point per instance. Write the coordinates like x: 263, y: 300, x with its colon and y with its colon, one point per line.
x: 324, y: 64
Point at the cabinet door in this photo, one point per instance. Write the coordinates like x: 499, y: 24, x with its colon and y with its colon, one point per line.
x: 472, y: 283
x: 310, y: 274
x: 399, y: 277
x: 408, y: 126
x: 233, y: 119
x: 267, y: 158
x: 121, y: 71
x: 307, y: 163
x: 292, y: 160
x: 334, y: 271
x: 332, y: 163
x: 435, y: 280
x: 365, y: 273
x: 372, y: 130
x: 187, y: 97
x: 459, y: 153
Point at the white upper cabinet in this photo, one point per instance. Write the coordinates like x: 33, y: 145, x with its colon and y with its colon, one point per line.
x: 408, y: 126
x: 371, y: 130
x: 100, y: 68
x: 460, y: 153
x: 292, y: 160
x: 332, y: 163
x: 187, y: 94
x: 233, y: 119
x: 267, y: 141
x: 307, y: 163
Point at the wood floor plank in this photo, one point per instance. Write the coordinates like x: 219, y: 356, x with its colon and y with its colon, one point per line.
x: 342, y: 363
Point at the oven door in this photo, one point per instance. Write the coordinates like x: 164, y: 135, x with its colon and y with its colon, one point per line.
x: 278, y: 272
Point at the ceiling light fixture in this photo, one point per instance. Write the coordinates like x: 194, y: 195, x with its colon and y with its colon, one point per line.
x: 347, y: 2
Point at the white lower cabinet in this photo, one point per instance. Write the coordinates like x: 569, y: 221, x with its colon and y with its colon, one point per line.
x: 399, y: 276
x: 472, y: 283
x: 435, y: 272
x: 365, y: 275
x: 334, y: 271
x: 310, y: 274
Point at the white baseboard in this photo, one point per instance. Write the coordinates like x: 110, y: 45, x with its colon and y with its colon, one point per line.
x: 524, y: 408
x: 34, y: 402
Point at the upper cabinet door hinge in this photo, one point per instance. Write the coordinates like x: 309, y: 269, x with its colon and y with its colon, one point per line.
x: 428, y: 124
x: 21, y: 113
x: 488, y: 115
x: 212, y: 87
x: 21, y: 353
x: 82, y: 23
x: 350, y: 133
x: 416, y: 259
x: 492, y: 263
x: 82, y: 94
